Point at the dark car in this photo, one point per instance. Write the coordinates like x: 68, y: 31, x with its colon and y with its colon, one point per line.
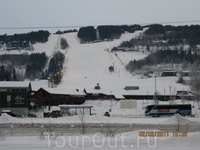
x: 46, y: 114
x: 32, y: 115
x: 9, y: 112
x: 55, y: 114
x: 107, y: 114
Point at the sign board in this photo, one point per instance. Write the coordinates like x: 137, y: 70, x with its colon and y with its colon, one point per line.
x: 19, y: 100
x: 128, y: 104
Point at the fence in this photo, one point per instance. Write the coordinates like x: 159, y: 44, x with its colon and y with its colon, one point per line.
x: 129, y: 116
x: 89, y: 128
x: 143, y: 116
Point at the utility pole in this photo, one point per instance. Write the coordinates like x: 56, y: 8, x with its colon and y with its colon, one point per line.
x: 155, y: 89
x: 110, y: 101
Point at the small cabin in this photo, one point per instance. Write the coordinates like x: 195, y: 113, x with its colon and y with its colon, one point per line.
x: 168, y: 74
x: 111, y: 69
x: 131, y: 88
x: 97, y: 87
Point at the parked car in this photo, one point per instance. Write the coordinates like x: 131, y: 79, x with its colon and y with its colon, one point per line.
x: 46, y: 114
x: 32, y: 115
x: 107, y: 114
x: 55, y: 114
x: 9, y: 112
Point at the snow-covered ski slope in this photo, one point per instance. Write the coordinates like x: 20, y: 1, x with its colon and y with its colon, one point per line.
x: 87, y: 64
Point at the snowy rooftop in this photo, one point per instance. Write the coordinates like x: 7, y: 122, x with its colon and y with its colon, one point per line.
x: 65, y: 91
x: 14, y: 84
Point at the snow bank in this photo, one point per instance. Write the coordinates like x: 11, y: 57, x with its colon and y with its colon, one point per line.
x: 5, y: 118
x: 179, y: 119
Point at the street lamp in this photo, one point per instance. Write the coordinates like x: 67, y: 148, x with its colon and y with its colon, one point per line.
x: 155, y: 83
x: 155, y: 88
x: 156, y: 102
x: 111, y: 101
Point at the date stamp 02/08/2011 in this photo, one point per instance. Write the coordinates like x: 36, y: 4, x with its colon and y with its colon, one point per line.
x: 162, y: 134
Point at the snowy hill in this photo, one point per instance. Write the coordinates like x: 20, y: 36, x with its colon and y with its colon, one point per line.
x: 87, y: 64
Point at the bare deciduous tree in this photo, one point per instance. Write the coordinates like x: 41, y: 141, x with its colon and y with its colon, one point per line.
x: 50, y: 130
x: 195, y: 84
x: 178, y: 119
x: 3, y: 134
x: 108, y: 132
x: 82, y: 119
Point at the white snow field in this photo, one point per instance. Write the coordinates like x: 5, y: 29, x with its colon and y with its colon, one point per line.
x: 99, y: 140
x: 129, y: 140
x: 85, y: 66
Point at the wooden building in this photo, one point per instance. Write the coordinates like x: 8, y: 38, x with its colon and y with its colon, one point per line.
x: 14, y: 96
x: 52, y: 97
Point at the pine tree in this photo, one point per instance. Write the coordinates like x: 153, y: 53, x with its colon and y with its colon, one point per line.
x: 14, y: 75
x: 2, y: 73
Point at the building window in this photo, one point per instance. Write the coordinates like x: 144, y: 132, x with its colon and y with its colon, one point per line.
x: 8, y: 100
x: 15, y: 90
x: 23, y: 90
x: 9, y: 90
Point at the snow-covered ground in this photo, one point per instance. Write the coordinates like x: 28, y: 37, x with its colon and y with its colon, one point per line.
x: 99, y: 140
x: 129, y: 140
x: 87, y: 64
x: 84, y: 67
x: 118, y: 115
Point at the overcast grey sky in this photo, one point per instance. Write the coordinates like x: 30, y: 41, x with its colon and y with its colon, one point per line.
x: 49, y: 13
